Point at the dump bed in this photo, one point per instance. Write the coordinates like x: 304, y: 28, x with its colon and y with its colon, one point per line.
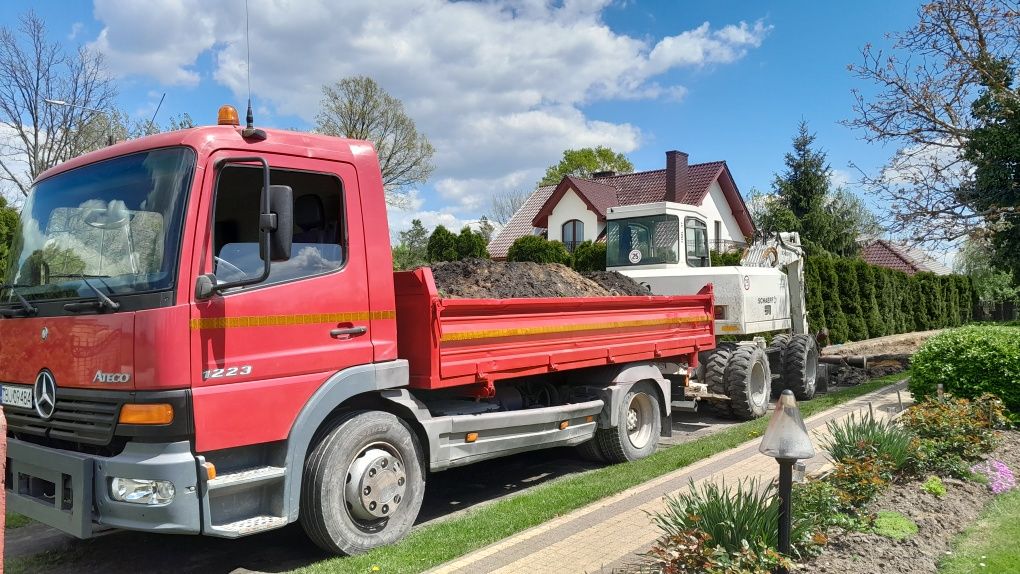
x: 452, y: 342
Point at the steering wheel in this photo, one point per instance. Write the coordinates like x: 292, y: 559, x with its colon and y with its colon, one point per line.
x: 230, y: 266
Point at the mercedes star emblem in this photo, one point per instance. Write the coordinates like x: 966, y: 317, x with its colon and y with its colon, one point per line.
x: 44, y: 394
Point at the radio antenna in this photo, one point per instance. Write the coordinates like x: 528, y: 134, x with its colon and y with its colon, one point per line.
x: 250, y: 119
x: 152, y: 122
x: 249, y: 129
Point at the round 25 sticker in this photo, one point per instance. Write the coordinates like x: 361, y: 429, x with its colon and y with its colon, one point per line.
x: 635, y: 256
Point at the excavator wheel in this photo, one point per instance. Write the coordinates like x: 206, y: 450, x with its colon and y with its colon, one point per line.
x: 748, y: 381
x: 713, y: 367
x: 800, y: 366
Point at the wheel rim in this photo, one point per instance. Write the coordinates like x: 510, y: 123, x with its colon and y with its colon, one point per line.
x: 640, y: 412
x: 757, y: 384
x: 376, y: 484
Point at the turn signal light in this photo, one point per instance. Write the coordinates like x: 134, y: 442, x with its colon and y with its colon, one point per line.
x: 564, y: 425
x: 210, y: 470
x: 471, y: 437
x: 227, y: 116
x: 157, y: 414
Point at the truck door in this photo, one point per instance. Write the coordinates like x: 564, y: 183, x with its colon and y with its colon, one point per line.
x: 259, y: 352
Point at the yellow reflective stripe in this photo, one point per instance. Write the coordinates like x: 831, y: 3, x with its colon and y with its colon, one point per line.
x: 288, y: 320
x: 519, y: 332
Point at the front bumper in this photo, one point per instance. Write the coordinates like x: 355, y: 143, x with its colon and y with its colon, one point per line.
x: 71, y: 491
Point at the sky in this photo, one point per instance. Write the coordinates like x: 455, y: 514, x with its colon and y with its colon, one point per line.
x: 501, y: 88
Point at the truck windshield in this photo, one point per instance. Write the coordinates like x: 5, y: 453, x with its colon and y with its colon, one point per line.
x: 117, y: 221
x: 642, y: 240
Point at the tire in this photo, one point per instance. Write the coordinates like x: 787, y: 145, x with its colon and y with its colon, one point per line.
x: 368, y: 452
x: 777, y: 348
x: 713, y: 367
x: 800, y: 366
x: 637, y: 433
x: 748, y: 382
x: 591, y: 451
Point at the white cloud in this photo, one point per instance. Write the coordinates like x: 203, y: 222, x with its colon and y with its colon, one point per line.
x: 840, y: 178
x: 499, y: 87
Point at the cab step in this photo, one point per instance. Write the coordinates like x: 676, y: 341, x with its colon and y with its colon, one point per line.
x: 247, y: 477
x: 252, y: 525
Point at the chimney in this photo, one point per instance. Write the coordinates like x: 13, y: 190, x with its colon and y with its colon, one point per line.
x: 677, y: 179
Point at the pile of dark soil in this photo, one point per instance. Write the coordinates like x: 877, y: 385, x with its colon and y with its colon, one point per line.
x: 487, y: 279
x: 878, y: 366
x: 939, y: 521
x: 617, y: 283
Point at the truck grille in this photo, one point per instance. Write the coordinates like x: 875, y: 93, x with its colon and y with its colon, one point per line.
x: 80, y: 417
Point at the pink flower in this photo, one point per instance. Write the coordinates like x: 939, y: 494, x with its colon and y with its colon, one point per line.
x: 1000, y: 477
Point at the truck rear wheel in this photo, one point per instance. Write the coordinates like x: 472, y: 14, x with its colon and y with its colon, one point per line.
x: 637, y: 433
x: 748, y: 381
x: 800, y: 366
x: 591, y: 451
x: 363, y: 483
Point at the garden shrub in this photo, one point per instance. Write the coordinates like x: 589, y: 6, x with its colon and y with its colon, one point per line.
x: 850, y: 298
x: 935, y: 486
x: 859, y: 481
x: 969, y: 362
x: 998, y: 476
x: 852, y: 438
x: 690, y: 552
x: 894, y: 525
x: 813, y: 295
x: 725, y: 259
x: 539, y: 250
x: 829, y: 281
x: 590, y: 257
x: 471, y: 244
x: 953, y: 432
x: 819, y: 506
x: 869, y: 299
x: 442, y: 245
x: 731, y: 517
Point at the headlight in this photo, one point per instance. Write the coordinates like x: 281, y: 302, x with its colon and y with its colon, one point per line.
x: 152, y: 492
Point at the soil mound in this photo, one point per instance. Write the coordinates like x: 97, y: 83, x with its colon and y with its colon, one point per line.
x: 617, y: 283
x: 487, y: 279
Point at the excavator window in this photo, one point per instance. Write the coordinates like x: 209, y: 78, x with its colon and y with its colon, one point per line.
x: 696, y: 238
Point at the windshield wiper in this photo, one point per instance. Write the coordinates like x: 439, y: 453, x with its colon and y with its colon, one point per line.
x: 27, y: 309
x: 102, y: 301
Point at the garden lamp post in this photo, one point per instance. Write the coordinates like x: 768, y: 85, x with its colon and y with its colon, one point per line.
x: 109, y: 120
x: 786, y: 440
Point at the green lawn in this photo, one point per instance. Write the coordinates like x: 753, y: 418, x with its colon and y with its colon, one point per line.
x: 989, y: 545
x: 15, y: 520
x: 438, y: 543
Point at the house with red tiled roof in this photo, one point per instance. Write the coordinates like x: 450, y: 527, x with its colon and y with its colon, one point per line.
x: 901, y: 257
x: 575, y: 209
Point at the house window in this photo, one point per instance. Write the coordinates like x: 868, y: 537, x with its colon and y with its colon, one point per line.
x: 573, y: 234
x: 318, y: 225
x: 696, y: 238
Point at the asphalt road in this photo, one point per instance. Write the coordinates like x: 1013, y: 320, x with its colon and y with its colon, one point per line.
x: 448, y: 494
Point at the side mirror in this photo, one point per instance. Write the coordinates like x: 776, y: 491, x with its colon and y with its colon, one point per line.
x: 281, y: 231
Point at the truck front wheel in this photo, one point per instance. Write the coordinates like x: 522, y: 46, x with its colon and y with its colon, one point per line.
x: 363, y: 483
x: 637, y: 433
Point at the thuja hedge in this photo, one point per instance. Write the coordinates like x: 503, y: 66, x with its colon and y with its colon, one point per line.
x: 855, y: 300
x: 969, y: 362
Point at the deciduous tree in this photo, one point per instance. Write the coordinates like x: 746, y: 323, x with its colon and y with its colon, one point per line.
x: 359, y: 108
x: 40, y: 134
x: 925, y: 86
x: 585, y: 162
x: 506, y: 203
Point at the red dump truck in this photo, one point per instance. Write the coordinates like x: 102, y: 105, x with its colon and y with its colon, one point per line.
x: 201, y: 333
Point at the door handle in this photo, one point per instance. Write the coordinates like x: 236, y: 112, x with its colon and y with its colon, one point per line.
x: 349, y: 332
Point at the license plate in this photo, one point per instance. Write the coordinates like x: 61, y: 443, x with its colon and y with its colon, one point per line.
x: 17, y: 396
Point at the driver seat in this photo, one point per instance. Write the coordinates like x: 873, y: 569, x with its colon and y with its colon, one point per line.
x: 310, y: 217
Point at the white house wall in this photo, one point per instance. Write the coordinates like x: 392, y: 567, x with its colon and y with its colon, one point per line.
x: 570, y: 207
x: 716, y: 208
